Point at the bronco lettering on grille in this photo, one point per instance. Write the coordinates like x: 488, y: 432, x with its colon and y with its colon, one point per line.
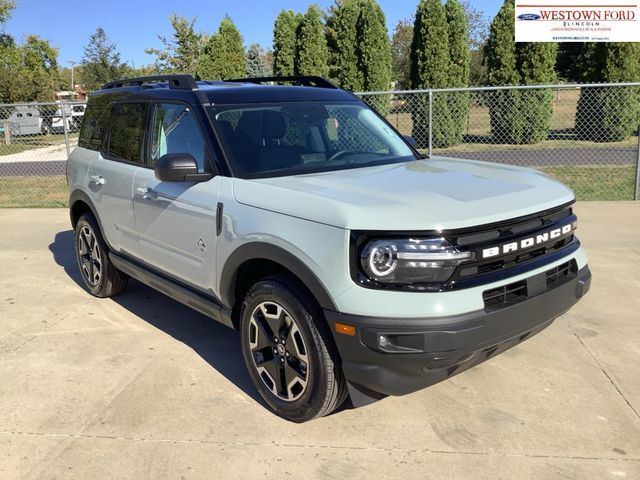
x: 527, y: 242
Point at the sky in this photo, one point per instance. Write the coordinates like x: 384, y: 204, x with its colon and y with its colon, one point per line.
x: 134, y: 25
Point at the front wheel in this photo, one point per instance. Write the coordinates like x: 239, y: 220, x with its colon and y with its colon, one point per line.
x: 289, y: 351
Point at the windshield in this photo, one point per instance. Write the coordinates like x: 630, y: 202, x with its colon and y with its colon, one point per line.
x: 279, y: 139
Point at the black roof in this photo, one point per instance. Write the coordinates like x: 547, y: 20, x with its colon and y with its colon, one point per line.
x: 230, y: 91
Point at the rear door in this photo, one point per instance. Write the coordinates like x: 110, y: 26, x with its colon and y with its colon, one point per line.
x: 176, y: 221
x: 110, y: 178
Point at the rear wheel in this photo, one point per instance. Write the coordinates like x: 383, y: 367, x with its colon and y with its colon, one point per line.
x: 98, y: 273
x: 289, y: 351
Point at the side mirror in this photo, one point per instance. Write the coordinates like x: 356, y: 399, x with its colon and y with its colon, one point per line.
x: 179, y: 167
x: 411, y: 141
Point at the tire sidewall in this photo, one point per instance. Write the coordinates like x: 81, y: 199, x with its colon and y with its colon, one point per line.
x: 307, y: 405
x: 87, y: 220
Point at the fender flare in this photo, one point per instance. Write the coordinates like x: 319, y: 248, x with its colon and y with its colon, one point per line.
x: 267, y: 251
x: 80, y: 196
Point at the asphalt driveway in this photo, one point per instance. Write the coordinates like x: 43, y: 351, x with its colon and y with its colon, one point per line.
x: 143, y: 387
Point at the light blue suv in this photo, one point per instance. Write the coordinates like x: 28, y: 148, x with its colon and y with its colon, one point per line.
x: 351, y: 264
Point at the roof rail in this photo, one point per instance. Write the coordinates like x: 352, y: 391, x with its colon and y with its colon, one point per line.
x: 304, y: 80
x: 176, y: 82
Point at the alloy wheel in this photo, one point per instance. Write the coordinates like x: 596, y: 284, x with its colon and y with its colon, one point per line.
x: 279, y: 351
x: 90, y: 256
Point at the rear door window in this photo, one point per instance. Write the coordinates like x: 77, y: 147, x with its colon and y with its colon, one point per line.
x: 127, y: 132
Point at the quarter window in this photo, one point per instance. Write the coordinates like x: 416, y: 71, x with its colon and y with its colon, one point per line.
x: 175, y: 130
x: 127, y: 132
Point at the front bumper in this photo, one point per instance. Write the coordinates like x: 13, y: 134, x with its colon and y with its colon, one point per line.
x: 428, y: 350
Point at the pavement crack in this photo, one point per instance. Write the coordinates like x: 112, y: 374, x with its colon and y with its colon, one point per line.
x: 80, y: 436
x: 46, y: 329
x: 606, y: 374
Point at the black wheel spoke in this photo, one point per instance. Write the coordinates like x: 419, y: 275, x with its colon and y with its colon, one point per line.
x: 278, y: 350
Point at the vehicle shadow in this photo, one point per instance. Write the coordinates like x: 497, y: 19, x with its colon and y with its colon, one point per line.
x: 216, y: 344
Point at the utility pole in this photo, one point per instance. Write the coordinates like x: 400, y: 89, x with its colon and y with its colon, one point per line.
x: 73, y: 86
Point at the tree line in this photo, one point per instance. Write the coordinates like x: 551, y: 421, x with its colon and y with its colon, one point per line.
x: 442, y: 45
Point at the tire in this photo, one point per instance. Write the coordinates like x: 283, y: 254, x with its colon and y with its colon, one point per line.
x: 302, y: 394
x: 99, y: 275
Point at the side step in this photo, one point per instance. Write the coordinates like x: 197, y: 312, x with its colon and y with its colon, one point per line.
x: 206, y: 306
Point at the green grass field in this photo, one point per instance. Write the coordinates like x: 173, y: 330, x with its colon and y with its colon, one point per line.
x: 28, y: 192
x: 31, y: 142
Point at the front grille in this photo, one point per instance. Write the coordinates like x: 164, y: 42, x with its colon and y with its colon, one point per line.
x: 481, y: 270
x: 516, y: 292
x: 505, y: 295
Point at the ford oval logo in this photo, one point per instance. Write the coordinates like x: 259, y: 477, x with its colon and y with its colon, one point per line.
x: 529, y: 16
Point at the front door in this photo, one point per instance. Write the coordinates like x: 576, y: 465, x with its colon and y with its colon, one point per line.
x: 176, y: 221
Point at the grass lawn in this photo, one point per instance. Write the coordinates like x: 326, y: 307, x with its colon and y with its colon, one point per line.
x: 31, y: 142
x: 27, y: 192
x: 597, y: 183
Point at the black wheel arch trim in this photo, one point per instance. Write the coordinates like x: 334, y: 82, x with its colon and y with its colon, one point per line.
x: 267, y: 251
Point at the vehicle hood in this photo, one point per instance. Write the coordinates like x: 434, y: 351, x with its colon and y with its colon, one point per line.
x: 434, y: 194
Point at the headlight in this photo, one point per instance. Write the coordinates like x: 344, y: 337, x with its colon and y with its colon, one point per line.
x: 406, y: 261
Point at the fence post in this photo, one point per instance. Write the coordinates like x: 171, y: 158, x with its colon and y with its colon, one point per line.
x: 7, y: 132
x: 65, y: 126
x: 637, y: 180
x: 430, y: 121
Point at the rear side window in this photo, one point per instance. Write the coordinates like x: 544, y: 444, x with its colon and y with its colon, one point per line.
x: 127, y: 132
x: 94, y: 123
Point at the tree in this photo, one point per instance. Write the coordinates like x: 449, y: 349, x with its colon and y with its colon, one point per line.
x: 223, y: 56
x: 101, y: 61
x: 458, y: 68
x: 373, y: 47
x: 312, y: 52
x: 478, y: 33
x: 342, y: 39
x: 430, y: 69
x: 285, y: 33
x: 6, y: 9
x: 568, y: 63
x: 256, y: 64
x: 401, y: 54
x: 518, y: 117
x: 609, y: 114
x: 181, y: 51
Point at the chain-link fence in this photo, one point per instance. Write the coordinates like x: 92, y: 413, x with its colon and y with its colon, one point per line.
x: 35, y: 141
x: 587, y: 136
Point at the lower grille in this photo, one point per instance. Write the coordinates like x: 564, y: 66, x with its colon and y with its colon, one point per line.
x: 516, y: 292
x: 505, y: 295
x: 561, y: 273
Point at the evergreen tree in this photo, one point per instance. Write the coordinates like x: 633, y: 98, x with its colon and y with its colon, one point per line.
x: 401, y: 54
x: 458, y: 68
x: 518, y: 117
x: 342, y: 37
x: 256, y: 65
x: 181, y: 52
x: 285, y: 32
x: 312, y: 52
x: 101, y: 61
x: 609, y: 114
x: 430, y: 69
x: 223, y: 56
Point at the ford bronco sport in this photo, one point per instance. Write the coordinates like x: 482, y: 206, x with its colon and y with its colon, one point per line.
x: 350, y: 263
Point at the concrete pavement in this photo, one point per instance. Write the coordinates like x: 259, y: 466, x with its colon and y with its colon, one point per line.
x: 143, y: 387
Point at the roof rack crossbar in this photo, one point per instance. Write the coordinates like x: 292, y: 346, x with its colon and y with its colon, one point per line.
x: 176, y: 82
x: 305, y: 80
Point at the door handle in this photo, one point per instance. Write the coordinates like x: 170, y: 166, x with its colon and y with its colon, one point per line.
x: 97, y: 179
x: 147, y: 193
